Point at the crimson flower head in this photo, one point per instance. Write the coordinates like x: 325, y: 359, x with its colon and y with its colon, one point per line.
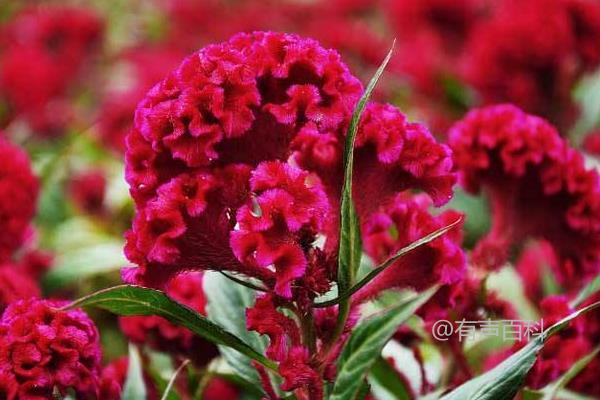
x: 235, y: 163
x: 43, y: 349
x: 43, y: 49
x: 536, y: 184
x: 403, y: 222
x: 18, y: 197
x: 16, y: 284
x: 87, y: 190
x: 164, y: 336
x: 531, y: 53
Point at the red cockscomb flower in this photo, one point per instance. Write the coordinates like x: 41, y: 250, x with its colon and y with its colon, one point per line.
x: 18, y: 197
x: 15, y: 284
x: 406, y: 220
x: 190, y: 160
x: 87, y: 189
x: 162, y: 335
x: 537, y: 186
x: 43, y: 349
x: 536, y: 261
x: 43, y: 50
x: 531, y: 53
x: 591, y: 143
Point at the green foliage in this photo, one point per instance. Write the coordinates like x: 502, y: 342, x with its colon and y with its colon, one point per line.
x: 365, y: 345
x: 505, y: 380
x: 136, y: 300
x: 227, y: 303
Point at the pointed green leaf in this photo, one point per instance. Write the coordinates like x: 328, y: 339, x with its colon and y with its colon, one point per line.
x: 134, y: 387
x: 586, y: 292
x: 365, y: 345
x: 350, y: 248
x: 137, y: 300
x: 504, y: 381
x: 385, y: 376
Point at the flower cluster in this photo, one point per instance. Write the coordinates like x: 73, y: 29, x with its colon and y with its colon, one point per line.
x: 235, y: 164
x: 403, y: 222
x: 42, y: 50
x: 531, y: 53
x: 537, y: 186
x: 18, y: 198
x: 164, y: 336
x: 44, y: 349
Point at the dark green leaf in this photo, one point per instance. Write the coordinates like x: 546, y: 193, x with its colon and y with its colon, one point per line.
x: 384, y: 375
x: 350, y: 249
x: 137, y: 300
x: 365, y: 345
x: 504, y: 381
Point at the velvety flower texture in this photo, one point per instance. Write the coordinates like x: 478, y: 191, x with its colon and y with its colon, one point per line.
x: 207, y: 167
x: 43, y: 51
x: 235, y: 164
x: 18, y: 197
x: 162, y: 335
x: 404, y: 221
x: 536, y: 184
x: 43, y: 348
x: 531, y: 53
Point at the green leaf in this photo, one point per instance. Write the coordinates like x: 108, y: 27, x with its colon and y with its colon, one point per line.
x: 365, y: 345
x: 137, y: 300
x: 504, y: 381
x: 350, y: 248
x: 227, y: 303
x: 390, y: 261
x: 384, y: 375
x: 167, y: 393
x: 586, y: 292
x: 552, y: 389
x: 134, y: 387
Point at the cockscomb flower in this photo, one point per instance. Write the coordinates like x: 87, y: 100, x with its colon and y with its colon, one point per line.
x: 15, y: 284
x: 536, y: 262
x: 536, y: 184
x: 443, y: 28
x: 87, y: 190
x: 147, y: 66
x: 44, y: 349
x: 591, y: 143
x: 405, y: 221
x: 43, y: 51
x: 164, y: 336
x: 18, y: 197
x: 531, y: 53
